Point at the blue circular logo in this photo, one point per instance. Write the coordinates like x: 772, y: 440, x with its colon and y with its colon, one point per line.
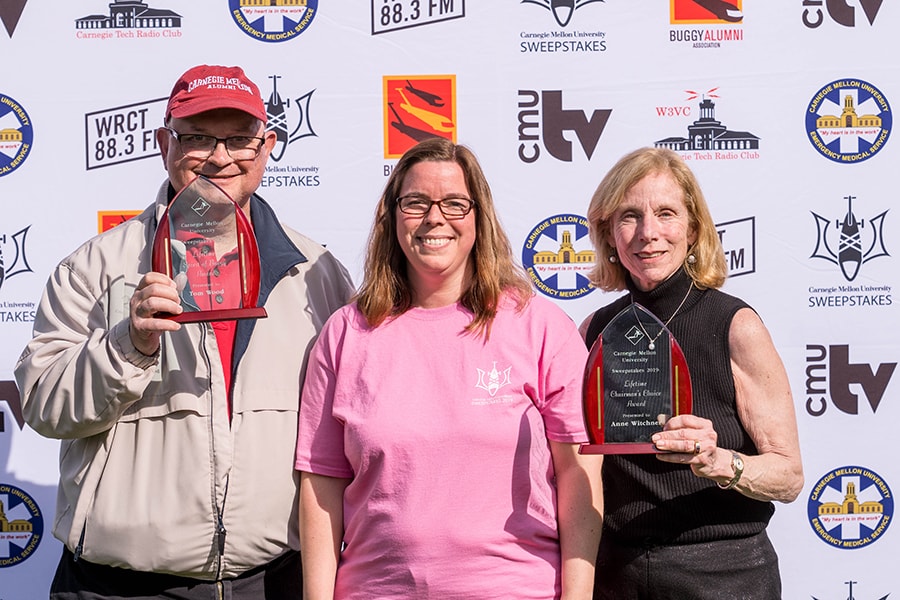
x: 273, y: 23
x: 558, y: 255
x: 848, y: 121
x: 16, y: 135
x: 850, y: 507
x: 21, y: 525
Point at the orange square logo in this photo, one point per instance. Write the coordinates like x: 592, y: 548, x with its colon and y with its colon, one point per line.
x: 417, y: 107
x: 107, y: 219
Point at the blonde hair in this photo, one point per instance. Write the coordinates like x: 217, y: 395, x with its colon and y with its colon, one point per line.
x: 709, y: 270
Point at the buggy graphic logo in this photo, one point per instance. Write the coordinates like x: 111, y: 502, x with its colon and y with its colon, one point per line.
x: 693, y: 12
x: 107, y: 219
x: 848, y: 121
x: 21, y: 525
x: 417, y: 107
x: 856, y: 243
x: 273, y: 20
x: 558, y: 256
x: 16, y: 135
x: 562, y: 9
x: 493, y: 380
x: 850, y: 507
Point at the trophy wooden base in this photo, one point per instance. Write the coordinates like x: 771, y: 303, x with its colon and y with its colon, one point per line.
x: 226, y: 314
x: 623, y: 448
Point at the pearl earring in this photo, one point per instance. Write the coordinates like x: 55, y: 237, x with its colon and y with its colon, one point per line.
x: 612, y: 258
x: 691, y: 259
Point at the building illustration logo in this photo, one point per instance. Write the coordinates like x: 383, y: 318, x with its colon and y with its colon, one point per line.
x: 126, y: 16
x: 16, y: 135
x: 850, y: 507
x: 417, y: 107
x: 21, y: 525
x: 562, y: 9
x: 848, y: 121
x: 491, y: 381
x: 558, y: 255
x: 273, y: 20
x: 850, y: 242
x: 710, y: 136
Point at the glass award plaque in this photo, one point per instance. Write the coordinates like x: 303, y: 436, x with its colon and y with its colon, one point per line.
x: 636, y: 379
x: 204, y: 242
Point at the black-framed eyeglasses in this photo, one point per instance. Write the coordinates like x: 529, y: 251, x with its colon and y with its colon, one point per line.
x: 417, y: 205
x: 198, y: 145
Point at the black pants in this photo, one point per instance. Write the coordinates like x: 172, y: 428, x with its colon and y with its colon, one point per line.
x: 741, y: 569
x: 281, y: 579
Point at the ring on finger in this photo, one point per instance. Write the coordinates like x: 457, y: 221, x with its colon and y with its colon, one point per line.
x: 696, y: 446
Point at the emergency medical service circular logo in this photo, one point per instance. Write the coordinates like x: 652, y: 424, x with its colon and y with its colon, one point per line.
x: 558, y: 255
x: 21, y: 525
x: 269, y: 21
x: 848, y: 121
x: 850, y: 507
x: 15, y: 135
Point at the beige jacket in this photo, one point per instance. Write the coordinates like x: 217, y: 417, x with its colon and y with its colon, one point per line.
x: 153, y: 475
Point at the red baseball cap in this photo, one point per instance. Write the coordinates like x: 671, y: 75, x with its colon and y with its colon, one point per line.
x: 208, y: 87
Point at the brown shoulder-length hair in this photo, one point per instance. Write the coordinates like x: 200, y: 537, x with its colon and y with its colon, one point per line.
x: 386, y: 290
x: 709, y: 270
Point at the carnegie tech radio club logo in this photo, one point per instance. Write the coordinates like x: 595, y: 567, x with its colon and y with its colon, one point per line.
x: 21, y: 525
x: 558, y: 255
x: 850, y: 507
x: 129, y: 19
x: 273, y: 20
x: 16, y: 135
x: 848, y: 121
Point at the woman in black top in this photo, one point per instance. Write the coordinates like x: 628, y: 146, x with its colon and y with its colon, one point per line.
x: 690, y: 521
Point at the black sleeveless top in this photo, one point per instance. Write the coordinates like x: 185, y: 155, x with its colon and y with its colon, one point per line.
x: 649, y: 502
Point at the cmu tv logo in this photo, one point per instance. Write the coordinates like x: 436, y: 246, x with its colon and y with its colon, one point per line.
x: 839, y: 10
x: 831, y: 375
x: 417, y: 108
x: 542, y: 118
x: 10, y: 11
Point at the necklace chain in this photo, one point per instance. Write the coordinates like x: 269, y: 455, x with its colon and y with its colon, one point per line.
x: 652, y: 344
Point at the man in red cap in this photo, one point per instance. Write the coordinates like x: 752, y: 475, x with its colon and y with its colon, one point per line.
x: 176, y: 468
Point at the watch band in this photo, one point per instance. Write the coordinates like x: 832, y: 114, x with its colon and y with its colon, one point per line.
x: 737, y: 465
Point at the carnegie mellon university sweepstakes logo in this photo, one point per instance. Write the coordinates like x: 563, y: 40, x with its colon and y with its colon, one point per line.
x: 273, y: 20
x: 850, y: 507
x: 558, y: 256
x: 16, y: 135
x: 848, y: 120
x: 417, y: 107
x: 850, y: 242
x: 21, y: 525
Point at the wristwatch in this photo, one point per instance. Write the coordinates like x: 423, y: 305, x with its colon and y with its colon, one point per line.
x: 737, y: 465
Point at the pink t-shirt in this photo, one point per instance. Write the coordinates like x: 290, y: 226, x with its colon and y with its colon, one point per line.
x: 445, y: 438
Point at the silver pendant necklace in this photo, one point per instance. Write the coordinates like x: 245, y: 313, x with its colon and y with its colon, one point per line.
x: 652, y: 344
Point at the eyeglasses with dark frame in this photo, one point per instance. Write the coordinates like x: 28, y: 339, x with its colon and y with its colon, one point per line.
x: 199, y: 145
x: 452, y: 207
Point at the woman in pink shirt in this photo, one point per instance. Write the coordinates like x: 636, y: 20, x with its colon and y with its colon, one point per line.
x: 441, y: 414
